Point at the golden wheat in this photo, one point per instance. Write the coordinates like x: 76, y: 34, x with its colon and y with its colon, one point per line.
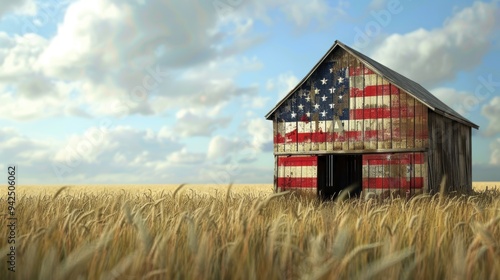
x: 180, y: 233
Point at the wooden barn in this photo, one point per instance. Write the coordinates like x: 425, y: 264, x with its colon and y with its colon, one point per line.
x: 354, y: 122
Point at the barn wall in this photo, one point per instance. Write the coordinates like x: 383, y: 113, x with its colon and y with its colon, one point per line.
x: 344, y: 106
x: 296, y: 172
x: 397, y: 174
x: 450, y: 154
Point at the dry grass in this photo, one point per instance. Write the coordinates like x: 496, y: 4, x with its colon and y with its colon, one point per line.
x: 114, y: 189
x: 481, y: 186
x: 221, y: 234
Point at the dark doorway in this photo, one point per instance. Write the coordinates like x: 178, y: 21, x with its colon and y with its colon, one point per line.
x: 338, y: 172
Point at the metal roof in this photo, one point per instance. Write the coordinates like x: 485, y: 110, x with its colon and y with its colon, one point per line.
x: 412, y: 88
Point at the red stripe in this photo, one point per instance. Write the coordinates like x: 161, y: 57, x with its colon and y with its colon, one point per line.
x: 297, y: 182
x: 356, y: 71
x: 322, y: 137
x: 393, y: 183
x: 297, y: 161
x: 381, y: 159
x: 374, y: 91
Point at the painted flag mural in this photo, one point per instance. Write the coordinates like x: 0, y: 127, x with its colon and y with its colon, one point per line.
x: 315, y: 113
x: 345, y: 106
x: 349, y: 108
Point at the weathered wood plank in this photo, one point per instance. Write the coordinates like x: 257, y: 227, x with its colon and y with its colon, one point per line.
x: 410, y: 132
x: 403, y: 118
x: 396, y: 120
x: 444, y: 154
x: 419, y: 125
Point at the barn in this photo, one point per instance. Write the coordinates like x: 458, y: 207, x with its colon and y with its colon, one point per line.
x: 353, y: 122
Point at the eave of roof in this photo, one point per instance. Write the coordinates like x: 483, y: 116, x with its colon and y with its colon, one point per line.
x: 412, y: 88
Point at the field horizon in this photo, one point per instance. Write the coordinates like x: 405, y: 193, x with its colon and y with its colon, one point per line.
x: 203, y: 188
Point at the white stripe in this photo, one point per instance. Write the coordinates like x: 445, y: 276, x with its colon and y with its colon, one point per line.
x: 297, y: 171
x: 310, y: 127
x: 372, y: 101
x: 336, y: 126
x: 286, y: 127
x: 369, y: 80
x: 392, y: 171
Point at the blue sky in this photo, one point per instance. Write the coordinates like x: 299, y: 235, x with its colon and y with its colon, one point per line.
x: 176, y: 91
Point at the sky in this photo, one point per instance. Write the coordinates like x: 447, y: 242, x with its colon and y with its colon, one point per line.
x: 165, y: 92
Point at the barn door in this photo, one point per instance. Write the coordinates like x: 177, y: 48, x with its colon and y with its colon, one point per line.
x: 338, y: 172
x: 296, y: 172
x: 396, y: 174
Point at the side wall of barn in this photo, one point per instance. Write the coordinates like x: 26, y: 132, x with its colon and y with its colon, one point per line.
x: 450, y: 154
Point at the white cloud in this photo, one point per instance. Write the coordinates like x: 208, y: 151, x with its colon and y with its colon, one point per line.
x: 19, y: 149
x: 117, y: 150
x: 495, y: 152
x: 433, y: 56
x: 105, y: 154
x: 36, y: 106
x: 282, y: 84
x: 17, y: 7
x: 85, y: 34
x: 121, y: 58
x: 256, y: 102
x: 301, y: 13
x: 461, y: 101
x: 31, y: 156
x: 261, y: 134
x: 377, y: 4
x: 304, y: 11
x: 117, y: 154
x: 492, y: 112
x: 116, y: 66
x: 19, y: 54
x: 185, y: 157
x: 192, y: 122
x: 221, y: 147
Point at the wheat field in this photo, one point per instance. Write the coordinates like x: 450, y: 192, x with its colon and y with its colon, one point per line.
x: 247, y: 232
x: 481, y: 186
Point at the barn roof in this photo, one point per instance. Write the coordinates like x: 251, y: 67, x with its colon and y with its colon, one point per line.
x: 411, y: 87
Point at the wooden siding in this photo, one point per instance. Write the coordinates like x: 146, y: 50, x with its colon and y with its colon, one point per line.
x: 296, y: 172
x: 395, y: 174
x: 450, y: 153
x: 380, y: 115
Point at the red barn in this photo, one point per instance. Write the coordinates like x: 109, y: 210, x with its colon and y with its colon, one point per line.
x: 354, y: 122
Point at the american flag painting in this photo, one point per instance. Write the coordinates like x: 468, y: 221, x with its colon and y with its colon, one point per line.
x: 317, y: 112
x: 349, y: 109
x: 322, y: 99
x: 345, y: 106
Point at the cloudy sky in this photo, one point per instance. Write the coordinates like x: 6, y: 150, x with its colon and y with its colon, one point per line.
x: 116, y: 91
